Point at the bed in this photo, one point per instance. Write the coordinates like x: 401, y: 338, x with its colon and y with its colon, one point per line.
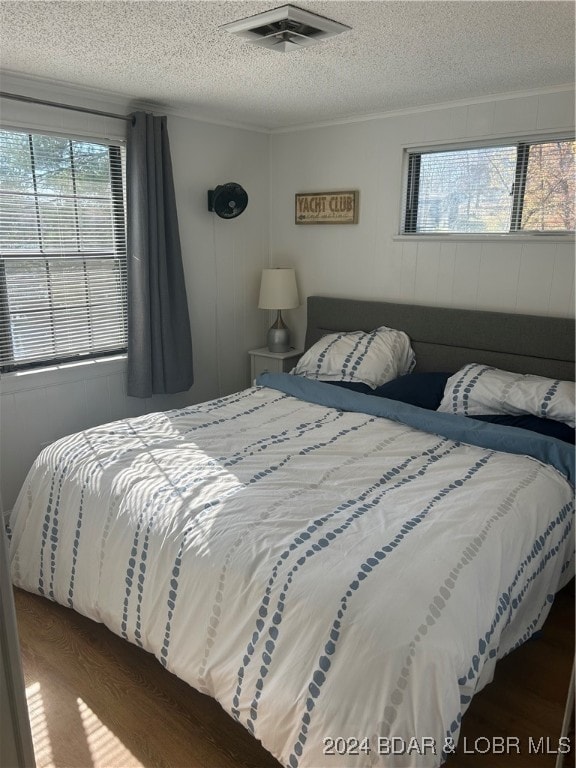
x: 340, y: 571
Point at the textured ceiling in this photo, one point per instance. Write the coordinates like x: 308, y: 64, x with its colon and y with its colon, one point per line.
x: 398, y: 54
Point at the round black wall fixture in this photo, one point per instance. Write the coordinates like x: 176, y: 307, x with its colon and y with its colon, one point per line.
x: 227, y: 200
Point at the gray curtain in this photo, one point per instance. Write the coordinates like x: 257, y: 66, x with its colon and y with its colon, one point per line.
x: 159, y: 339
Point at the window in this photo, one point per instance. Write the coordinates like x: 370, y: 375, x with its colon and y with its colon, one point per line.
x: 62, y: 249
x: 523, y: 187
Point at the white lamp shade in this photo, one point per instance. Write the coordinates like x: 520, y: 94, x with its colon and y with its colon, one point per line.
x: 278, y: 289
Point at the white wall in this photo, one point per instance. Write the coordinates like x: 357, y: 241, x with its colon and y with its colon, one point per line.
x: 222, y: 264
x: 527, y: 275
x: 223, y: 259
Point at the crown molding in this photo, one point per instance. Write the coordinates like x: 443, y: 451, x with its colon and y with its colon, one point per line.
x: 190, y: 113
x: 564, y: 88
x: 56, y: 90
x: 107, y: 101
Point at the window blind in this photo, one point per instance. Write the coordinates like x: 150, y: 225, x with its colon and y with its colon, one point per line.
x: 62, y: 249
x: 520, y: 187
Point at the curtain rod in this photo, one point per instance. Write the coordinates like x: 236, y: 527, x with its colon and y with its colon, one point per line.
x: 30, y: 99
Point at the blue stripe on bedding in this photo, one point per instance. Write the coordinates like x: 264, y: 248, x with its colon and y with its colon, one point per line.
x: 366, y: 569
x: 357, y: 508
x: 496, y: 437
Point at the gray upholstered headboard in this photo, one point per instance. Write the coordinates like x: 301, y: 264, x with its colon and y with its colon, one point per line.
x: 446, y: 339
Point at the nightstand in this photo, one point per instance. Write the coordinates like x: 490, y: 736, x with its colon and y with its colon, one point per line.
x: 263, y: 361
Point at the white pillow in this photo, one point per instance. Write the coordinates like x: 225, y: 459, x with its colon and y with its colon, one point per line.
x: 370, y: 358
x: 479, y: 390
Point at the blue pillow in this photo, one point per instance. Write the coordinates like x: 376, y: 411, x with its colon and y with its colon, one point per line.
x: 547, y: 427
x: 355, y: 386
x: 422, y: 389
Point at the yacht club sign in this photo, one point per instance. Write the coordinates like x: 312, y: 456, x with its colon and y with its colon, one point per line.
x: 327, y: 207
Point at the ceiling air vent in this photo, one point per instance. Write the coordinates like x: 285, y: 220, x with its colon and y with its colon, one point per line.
x: 285, y: 29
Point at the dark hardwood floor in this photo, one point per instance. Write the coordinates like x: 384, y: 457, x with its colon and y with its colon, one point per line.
x: 97, y: 701
x: 526, y: 700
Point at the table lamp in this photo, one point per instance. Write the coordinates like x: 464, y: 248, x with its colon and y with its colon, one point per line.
x: 278, y: 291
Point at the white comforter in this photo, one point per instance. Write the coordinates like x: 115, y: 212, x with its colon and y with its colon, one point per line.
x: 324, y: 575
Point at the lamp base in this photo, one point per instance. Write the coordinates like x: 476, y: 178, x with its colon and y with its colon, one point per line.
x: 278, y: 338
